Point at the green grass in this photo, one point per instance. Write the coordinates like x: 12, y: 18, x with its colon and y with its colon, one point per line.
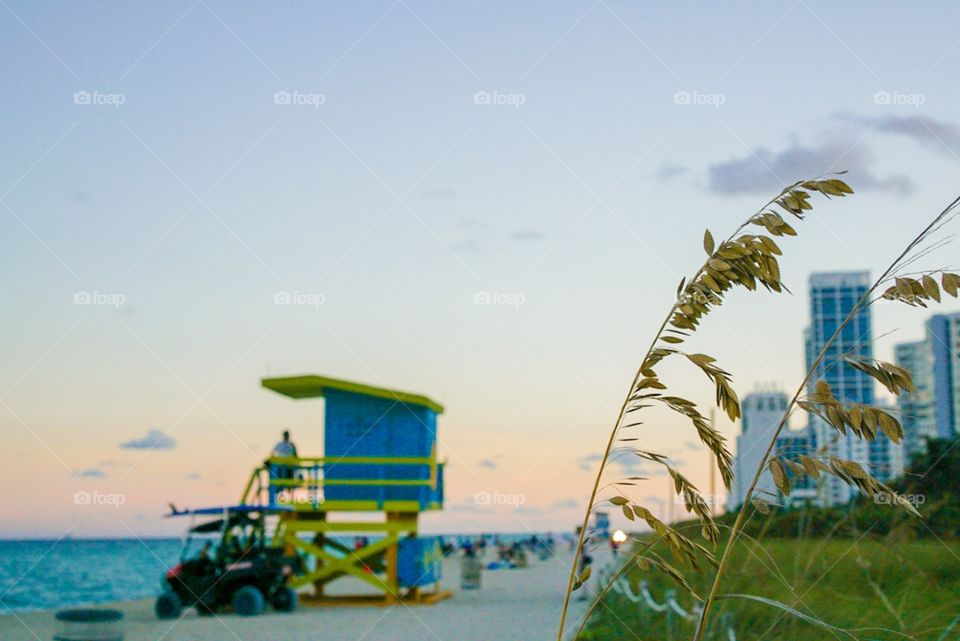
x: 866, y: 586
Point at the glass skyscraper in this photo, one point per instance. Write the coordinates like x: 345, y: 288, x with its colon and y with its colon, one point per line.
x: 943, y: 334
x: 933, y: 410
x: 832, y: 297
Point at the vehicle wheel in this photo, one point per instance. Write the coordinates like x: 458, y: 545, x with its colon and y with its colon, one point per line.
x: 284, y: 599
x: 168, y: 606
x: 248, y: 601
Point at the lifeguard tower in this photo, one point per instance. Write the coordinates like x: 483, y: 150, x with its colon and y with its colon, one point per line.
x: 379, y: 471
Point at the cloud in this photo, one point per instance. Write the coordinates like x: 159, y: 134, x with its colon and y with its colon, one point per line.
x: 533, y: 511
x: 92, y: 473
x: 937, y: 135
x: 490, y: 464
x: 668, y: 171
x: 527, y: 235
x: 112, y: 463
x: 764, y: 171
x: 568, y: 504
x: 589, y: 462
x: 154, y: 440
x: 193, y: 476
x: 629, y: 464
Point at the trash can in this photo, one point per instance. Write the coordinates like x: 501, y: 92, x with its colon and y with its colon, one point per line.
x: 470, y: 573
x: 88, y: 625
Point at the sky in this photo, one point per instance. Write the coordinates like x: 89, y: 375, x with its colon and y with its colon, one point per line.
x: 487, y: 203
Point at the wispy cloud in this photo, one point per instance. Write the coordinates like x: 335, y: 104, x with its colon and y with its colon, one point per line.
x: 193, y: 476
x: 567, y: 504
x: 764, y: 170
x: 92, y: 473
x: 842, y: 145
x: 154, y: 440
x: 629, y: 464
x: 527, y: 235
x: 668, y: 171
x: 490, y: 464
x: 936, y: 135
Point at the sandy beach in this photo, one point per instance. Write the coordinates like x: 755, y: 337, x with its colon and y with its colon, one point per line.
x: 513, y: 605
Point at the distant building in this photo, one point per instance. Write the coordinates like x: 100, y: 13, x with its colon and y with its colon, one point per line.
x: 885, y: 457
x: 933, y: 410
x: 943, y: 334
x: 916, y: 408
x: 761, y: 412
x: 832, y: 298
x: 791, y: 445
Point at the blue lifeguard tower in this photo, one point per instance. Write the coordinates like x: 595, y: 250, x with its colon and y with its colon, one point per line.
x: 380, y: 456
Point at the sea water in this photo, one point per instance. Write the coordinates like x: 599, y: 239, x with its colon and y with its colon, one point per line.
x: 41, y: 574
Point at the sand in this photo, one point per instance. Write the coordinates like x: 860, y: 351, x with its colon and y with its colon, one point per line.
x: 513, y: 605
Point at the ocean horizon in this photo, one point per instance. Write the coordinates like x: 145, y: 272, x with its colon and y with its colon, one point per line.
x: 49, y: 573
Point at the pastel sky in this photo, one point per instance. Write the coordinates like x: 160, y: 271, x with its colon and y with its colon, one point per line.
x: 179, y: 165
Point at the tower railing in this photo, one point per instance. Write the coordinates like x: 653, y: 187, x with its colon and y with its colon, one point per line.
x: 300, y: 481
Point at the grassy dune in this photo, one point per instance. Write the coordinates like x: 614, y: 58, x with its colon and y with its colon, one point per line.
x: 875, y: 589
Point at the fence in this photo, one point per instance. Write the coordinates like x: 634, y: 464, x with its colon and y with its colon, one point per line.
x: 671, y: 611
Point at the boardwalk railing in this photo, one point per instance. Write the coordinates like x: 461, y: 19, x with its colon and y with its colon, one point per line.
x: 670, y: 609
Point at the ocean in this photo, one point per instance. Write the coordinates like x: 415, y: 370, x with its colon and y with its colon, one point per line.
x: 43, y: 574
x: 47, y: 574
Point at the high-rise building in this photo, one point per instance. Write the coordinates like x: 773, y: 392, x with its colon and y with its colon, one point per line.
x: 791, y: 445
x: 943, y: 334
x: 916, y: 407
x: 832, y: 297
x: 761, y: 412
x: 933, y: 410
x: 885, y: 458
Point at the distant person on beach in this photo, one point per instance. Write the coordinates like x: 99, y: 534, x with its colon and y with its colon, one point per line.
x: 283, y: 472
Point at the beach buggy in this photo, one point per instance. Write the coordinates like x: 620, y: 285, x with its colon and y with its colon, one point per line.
x: 234, y: 566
